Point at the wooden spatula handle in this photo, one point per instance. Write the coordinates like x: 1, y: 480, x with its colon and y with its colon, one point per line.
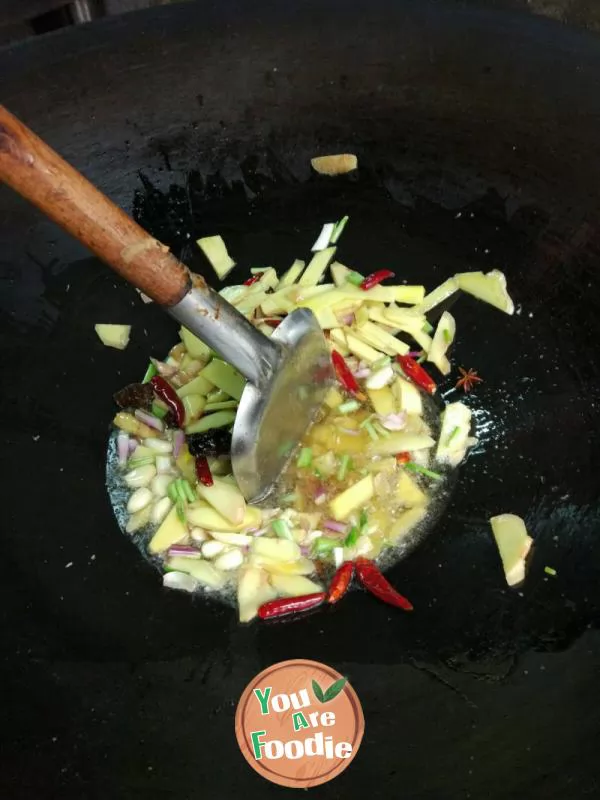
x: 40, y: 175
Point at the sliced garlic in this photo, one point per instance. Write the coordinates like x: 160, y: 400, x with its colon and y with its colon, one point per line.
x: 140, y: 476
x: 212, y: 549
x: 160, y: 510
x: 138, y: 500
x: 380, y: 378
x: 158, y: 445
x: 232, y: 559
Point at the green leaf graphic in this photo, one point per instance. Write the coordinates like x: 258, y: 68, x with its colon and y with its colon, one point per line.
x: 334, y: 689
x: 318, y: 692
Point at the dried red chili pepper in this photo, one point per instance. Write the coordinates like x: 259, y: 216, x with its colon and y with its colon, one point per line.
x: 340, y: 582
x: 165, y: 392
x: 253, y: 279
x: 376, y: 278
x: 272, y: 323
x: 403, y: 458
x: 375, y: 582
x: 416, y: 373
x: 203, y: 472
x: 344, y: 376
x: 290, y: 605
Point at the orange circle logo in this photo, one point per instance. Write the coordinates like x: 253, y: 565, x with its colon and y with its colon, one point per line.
x: 299, y: 723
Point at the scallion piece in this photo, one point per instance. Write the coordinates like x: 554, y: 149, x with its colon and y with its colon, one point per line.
x: 381, y: 430
x: 366, y: 421
x: 446, y: 335
x: 150, y: 373
x: 324, y: 237
x: 324, y: 545
x: 550, y: 571
x: 339, y: 229
x: 304, y: 458
x: 180, y: 490
x: 348, y: 407
x: 282, y: 529
x: 172, y: 492
x: 427, y: 327
x: 343, y: 467
x: 421, y: 359
x: 133, y: 463
x: 381, y: 362
x: 355, y: 278
x: 352, y: 537
x: 159, y: 410
x: 190, y: 495
x: 363, y: 520
x: 180, y: 506
x: 371, y: 431
x: 412, y: 467
x: 453, y: 433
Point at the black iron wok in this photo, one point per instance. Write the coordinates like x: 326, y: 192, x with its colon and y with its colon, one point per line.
x: 478, y: 137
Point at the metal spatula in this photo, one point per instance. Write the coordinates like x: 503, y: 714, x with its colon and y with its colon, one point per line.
x: 288, y: 374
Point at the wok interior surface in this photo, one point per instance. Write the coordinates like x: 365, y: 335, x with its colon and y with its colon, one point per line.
x: 478, y: 143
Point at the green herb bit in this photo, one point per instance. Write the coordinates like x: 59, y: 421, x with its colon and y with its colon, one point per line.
x: 363, y: 520
x: 421, y: 359
x: 339, y: 229
x: 151, y: 371
x: 427, y: 327
x: 304, y: 458
x: 352, y: 537
x: 366, y: 421
x: 172, y: 491
x: 289, y: 498
x: 180, y: 507
x: 371, y: 431
x: 381, y: 430
x: 348, y: 407
x: 324, y: 545
x: 190, y: 494
x: 318, y: 473
x: 343, y: 467
x: 355, y: 278
x: 412, y: 467
x: 446, y: 335
x: 159, y: 410
x: 134, y: 463
x: 381, y: 362
x: 550, y: 571
x: 453, y: 433
x: 282, y: 529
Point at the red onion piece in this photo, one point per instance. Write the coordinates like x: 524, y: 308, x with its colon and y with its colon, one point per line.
x: 133, y: 443
x: 178, y: 442
x: 332, y: 525
x: 123, y: 447
x: 415, y: 354
x: 183, y: 550
x: 364, y: 372
x: 150, y: 420
x: 393, y: 422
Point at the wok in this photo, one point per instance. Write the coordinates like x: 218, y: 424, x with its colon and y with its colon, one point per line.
x: 478, y: 141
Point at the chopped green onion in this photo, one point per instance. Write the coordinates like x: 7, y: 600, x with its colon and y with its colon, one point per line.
x: 446, y: 335
x: 343, y: 467
x: 180, y: 490
x: 427, y: 327
x: 217, y: 396
x: 348, y: 406
x: 304, y: 457
x: 180, y: 506
x: 366, y: 421
x: 133, y: 463
x: 289, y: 498
x: 363, y: 519
x: 371, y: 431
x: 172, y: 492
x: 421, y: 359
x: 550, y: 571
x: 381, y: 362
x: 352, y: 537
x: 318, y: 473
x: 324, y: 545
x: 339, y: 229
x: 159, y: 410
x: 381, y: 430
x: 190, y: 495
x: 282, y: 529
x: 412, y: 467
x: 453, y: 433
x: 222, y: 405
x: 151, y: 371
x: 355, y: 278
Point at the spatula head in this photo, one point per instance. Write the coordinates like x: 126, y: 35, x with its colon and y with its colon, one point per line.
x: 272, y: 419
